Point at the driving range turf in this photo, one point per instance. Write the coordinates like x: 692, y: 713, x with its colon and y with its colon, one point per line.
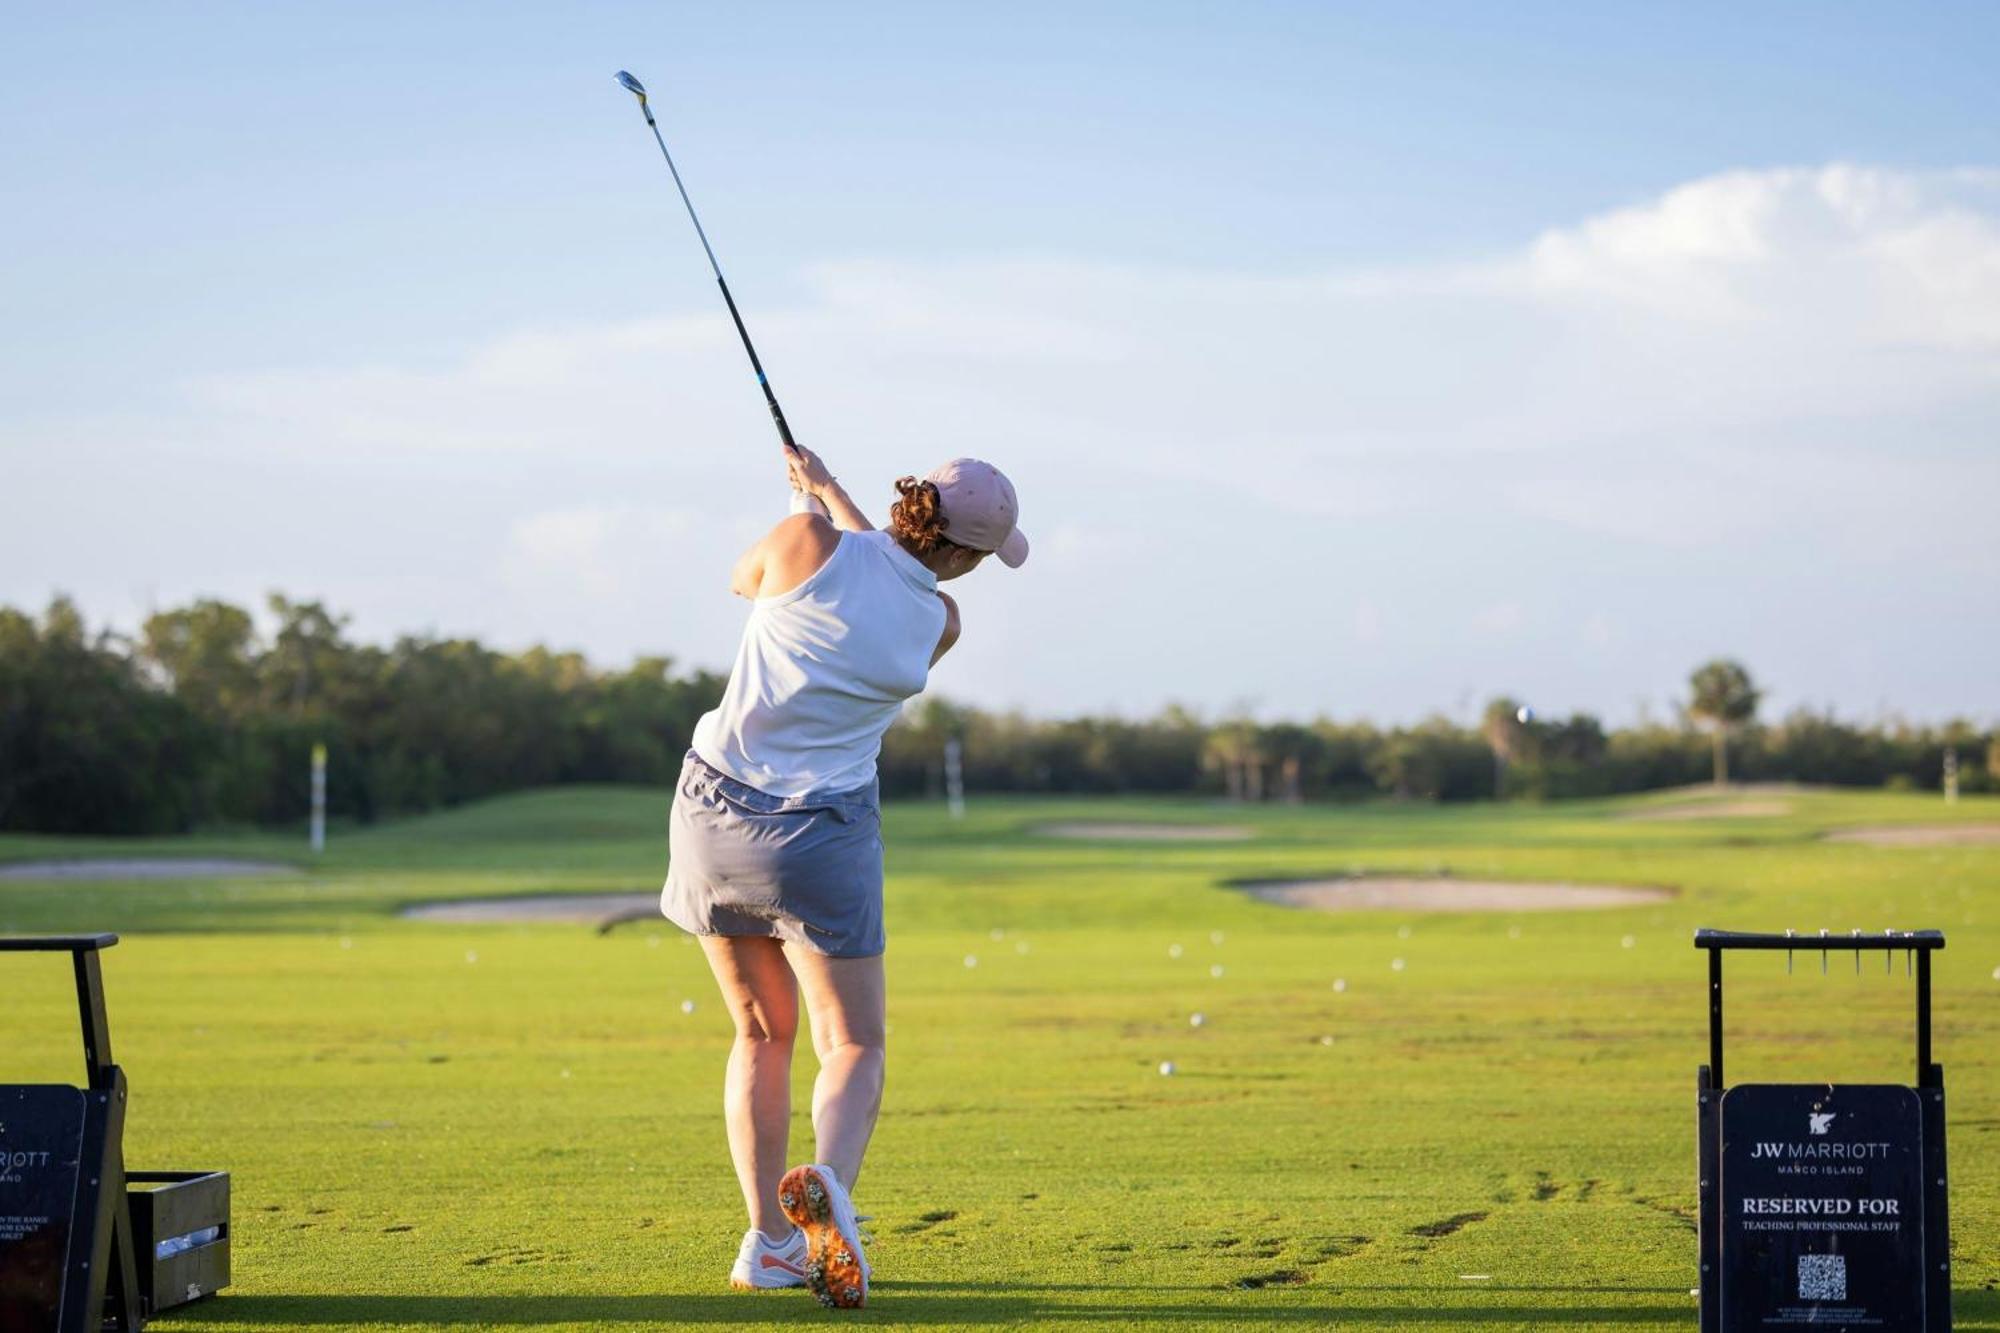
x: 504, y: 1126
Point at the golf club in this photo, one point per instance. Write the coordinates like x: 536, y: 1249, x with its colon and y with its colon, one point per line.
x: 801, y: 502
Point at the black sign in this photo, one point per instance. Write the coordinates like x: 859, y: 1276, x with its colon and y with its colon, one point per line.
x: 41, y: 1151
x: 1822, y: 1208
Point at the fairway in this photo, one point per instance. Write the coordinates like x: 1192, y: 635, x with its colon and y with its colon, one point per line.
x: 1488, y: 1124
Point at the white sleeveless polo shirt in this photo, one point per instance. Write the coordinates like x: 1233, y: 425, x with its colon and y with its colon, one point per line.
x: 823, y: 670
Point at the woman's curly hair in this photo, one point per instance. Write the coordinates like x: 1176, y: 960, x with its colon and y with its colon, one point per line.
x: 916, y: 516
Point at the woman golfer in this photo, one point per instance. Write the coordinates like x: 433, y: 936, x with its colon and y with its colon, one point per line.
x: 776, y: 834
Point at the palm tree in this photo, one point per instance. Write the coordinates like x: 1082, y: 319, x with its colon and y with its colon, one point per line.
x: 1232, y: 747
x: 1724, y: 698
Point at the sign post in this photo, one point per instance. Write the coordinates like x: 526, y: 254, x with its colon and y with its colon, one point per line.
x: 954, y: 777
x: 1823, y: 1205
x: 318, y: 798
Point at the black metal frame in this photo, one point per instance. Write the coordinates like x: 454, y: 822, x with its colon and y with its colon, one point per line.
x: 101, y: 1288
x: 1709, y: 1087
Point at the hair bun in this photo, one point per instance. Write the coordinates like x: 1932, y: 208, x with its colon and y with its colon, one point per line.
x: 917, y: 517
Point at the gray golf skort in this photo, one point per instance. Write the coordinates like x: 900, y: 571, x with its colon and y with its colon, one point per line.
x: 803, y: 869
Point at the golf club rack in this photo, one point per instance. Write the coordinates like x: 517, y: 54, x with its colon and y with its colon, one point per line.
x: 1823, y: 1204
x: 86, y: 1246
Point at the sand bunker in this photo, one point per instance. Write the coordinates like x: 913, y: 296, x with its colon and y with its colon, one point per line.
x: 1745, y: 808
x: 1921, y: 835
x: 1137, y: 832
x: 138, y: 868
x: 1420, y: 893
x: 579, y: 908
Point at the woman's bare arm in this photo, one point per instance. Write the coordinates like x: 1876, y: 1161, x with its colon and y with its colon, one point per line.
x: 846, y: 515
x: 951, y: 628
x: 784, y: 557
x: 748, y: 575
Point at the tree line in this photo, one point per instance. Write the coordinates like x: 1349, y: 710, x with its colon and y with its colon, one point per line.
x: 1509, y: 755
x: 202, y: 720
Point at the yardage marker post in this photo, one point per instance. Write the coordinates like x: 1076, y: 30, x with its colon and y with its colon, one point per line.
x: 319, y: 798
x: 954, y: 777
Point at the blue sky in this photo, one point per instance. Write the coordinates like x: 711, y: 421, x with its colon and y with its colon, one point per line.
x: 1358, y: 359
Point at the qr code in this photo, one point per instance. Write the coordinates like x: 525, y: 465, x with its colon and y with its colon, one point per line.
x: 1822, y: 1277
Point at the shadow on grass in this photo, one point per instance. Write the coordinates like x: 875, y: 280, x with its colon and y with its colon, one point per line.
x: 924, y: 1303
x: 978, y: 1303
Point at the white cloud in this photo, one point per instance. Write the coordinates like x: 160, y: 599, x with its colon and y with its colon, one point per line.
x: 1778, y: 375
x: 1500, y: 619
x: 1742, y: 299
x: 590, y: 551
x: 1906, y: 259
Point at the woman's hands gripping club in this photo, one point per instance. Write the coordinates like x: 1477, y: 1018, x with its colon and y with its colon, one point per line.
x: 817, y: 490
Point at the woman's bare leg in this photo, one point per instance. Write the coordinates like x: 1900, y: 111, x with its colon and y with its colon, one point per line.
x: 845, y: 1001
x: 763, y: 999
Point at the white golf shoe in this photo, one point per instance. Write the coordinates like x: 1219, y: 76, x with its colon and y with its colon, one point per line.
x: 836, y: 1270
x: 762, y: 1265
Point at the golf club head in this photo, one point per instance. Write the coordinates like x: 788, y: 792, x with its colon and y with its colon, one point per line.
x: 632, y: 85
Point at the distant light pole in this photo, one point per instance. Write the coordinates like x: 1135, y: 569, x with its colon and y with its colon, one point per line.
x: 319, y: 798
x: 1951, y: 775
x: 954, y: 777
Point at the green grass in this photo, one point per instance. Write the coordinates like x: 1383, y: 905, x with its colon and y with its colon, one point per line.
x: 513, y: 1126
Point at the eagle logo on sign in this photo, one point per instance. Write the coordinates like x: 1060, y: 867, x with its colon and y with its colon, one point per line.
x: 1820, y: 1124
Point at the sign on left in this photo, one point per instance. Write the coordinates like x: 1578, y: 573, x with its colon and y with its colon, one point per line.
x: 41, y: 1156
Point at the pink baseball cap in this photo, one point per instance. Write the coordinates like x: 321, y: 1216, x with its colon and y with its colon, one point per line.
x: 979, y: 509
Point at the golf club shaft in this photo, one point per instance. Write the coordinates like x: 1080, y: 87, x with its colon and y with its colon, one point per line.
x: 763, y: 381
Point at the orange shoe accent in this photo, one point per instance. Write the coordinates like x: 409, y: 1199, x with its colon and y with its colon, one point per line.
x: 768, y: 1261
x: 833, y: 1259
